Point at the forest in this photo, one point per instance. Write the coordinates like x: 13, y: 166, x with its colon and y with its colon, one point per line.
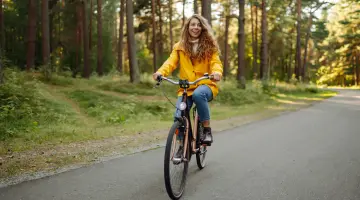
x: 308, y: 40
x: 80, y: 70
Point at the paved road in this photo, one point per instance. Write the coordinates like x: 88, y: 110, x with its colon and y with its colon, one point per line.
x: 310, y: 154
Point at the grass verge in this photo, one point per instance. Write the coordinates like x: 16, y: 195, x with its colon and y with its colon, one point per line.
x: 83, y: 120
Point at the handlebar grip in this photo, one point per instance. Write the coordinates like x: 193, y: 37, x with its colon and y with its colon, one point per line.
x: 159, y: 78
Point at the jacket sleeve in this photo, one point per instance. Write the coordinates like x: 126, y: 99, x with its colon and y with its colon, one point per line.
x: 170, y: 64
x: 215, y: 64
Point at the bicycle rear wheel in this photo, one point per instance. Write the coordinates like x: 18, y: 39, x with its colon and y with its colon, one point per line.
x: 175, y: 179
x: 201, y: 154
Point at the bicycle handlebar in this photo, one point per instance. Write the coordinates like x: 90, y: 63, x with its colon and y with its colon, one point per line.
x: 206, y: 76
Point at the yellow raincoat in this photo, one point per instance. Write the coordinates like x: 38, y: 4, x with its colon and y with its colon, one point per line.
x: 192, y: 71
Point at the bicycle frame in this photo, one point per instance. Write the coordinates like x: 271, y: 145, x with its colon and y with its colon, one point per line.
x: 185, y: 114
x: 192, y: 134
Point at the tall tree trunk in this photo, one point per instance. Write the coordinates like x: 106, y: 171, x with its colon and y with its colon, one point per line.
x: 196, y: 7
x: 304, y: 74
x: 161, y: 43
x: 99, y: 40
x: 226, y: 61
x: 51, y: 32
x: 45, y: 33
x: 2, y: 42
x: 90, y: 23
x: 121, y: 36
x: 170, y: 24
x: 154, y: 42
x: 76, y: 68
x: 86, y: 70
x: 2, y: 28
x: 289, y: 72
x: 264, y: 43
x: 147, y: 35
x: 357, y: 68
x: 256, y: 41
x: 206, y: 9
x: 298, y: 45
x: 31, y: 35
x: 254, y: 44
x: 134, y: 69
x: 241, y: 46
x: 183, y: 13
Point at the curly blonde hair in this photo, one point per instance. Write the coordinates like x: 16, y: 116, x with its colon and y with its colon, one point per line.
x: 207, y: 41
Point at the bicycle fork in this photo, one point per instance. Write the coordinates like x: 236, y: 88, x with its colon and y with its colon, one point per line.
x: 193, y: 149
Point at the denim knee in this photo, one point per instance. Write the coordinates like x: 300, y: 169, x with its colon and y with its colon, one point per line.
x: 201, y: 96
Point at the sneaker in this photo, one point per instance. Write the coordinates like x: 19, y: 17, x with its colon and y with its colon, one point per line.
x: 207, y: 137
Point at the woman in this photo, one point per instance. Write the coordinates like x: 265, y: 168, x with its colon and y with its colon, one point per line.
x: 198, y: 53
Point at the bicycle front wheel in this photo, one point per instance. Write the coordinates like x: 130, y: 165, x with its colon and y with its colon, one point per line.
x: 201, y: 154
x: 175, y: 172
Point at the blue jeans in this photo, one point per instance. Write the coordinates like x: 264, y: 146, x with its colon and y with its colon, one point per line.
x: 201, y: 96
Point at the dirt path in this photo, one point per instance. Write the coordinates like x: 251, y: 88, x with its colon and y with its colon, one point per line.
x: 58, y: 93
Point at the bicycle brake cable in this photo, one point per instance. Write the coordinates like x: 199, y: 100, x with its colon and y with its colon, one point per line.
x: 158, y: 86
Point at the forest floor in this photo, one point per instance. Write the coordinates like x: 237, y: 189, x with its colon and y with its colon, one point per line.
x: 101, y: 119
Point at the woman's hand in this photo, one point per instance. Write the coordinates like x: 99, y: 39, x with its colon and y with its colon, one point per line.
x: 155, y: 75
x: 217, y: 76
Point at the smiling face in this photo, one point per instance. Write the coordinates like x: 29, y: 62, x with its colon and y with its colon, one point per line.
x: 194, y: 28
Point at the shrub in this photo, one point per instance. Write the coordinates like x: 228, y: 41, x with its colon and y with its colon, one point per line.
x: 23, y: 108
x: 114, y: 110
x: 19, y: 104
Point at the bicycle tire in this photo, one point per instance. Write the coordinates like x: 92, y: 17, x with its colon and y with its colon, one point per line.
x: 201, y: 154
x: 173, y: 194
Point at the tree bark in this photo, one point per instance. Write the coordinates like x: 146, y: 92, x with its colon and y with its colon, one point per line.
x: 154, y: 42
x: 31, y: 35
x: 358, y: 68
x: 196, y: 7
x: 45, y: 33
x: 99, y: 40
x: 241, y: 46
x: 206, y: 10
x: 298, y: 44
x: 78, y: 37
x: 226, y: 61
x: 134, y: 69
x: 86, y: 70
x: 161, y: 43
x: 305, y: 50
x: 264, y: 43
x: 170, y: 24
x: 2, y: 42
x: 254, y: 42
x: 183, y: 13
x: 2, y: 29
x: 121, y: 36
x: 90, y: 23
x: 290, y: 61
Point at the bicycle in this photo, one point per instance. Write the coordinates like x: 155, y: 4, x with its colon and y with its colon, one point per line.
x: 181, y: 132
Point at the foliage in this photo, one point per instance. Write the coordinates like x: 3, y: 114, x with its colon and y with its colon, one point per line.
x: 23, y: 108
x: 339, y: 48
x: 145, y: 87
x: 112, y: 110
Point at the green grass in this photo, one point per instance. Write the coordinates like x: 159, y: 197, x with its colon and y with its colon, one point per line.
x: 143, y: 88
x: 65, y: 111
x: 114, y: 110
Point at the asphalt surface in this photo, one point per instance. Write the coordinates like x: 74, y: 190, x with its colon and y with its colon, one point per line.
x: 309, y: 154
